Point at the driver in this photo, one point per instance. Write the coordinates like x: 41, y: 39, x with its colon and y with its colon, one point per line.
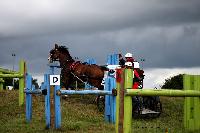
x: 130, y: 61
x: 129, y: 57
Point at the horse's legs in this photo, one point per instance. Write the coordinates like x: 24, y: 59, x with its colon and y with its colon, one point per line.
x: 99, y: 100
x: 66, y: 78
x: 96, y: 83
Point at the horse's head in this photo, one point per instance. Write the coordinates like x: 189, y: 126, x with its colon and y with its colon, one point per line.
x: 54, y: 54
x: 59, y: 53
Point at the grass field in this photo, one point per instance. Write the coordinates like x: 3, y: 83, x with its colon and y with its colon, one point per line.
x: 80, y: 115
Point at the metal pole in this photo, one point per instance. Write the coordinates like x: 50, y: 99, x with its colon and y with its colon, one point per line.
x: 13, y: 82
x: 13, y: 55
x: 142, y: 62
x: 1, y: 82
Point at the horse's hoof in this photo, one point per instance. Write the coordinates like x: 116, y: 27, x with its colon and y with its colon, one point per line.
x: 65, y: 96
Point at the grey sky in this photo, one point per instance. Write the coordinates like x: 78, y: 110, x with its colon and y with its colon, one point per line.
x: 164, y: 32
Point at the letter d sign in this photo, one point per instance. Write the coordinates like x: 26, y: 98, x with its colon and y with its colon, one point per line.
x: 54, y: 79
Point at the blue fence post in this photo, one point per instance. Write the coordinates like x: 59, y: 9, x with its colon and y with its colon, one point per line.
x: 107, y: 112
x: 47, y: 101
x: 28, y: 98
x: 110, y: 83
x: 51, y: 70
x: 91, y: 61
x: 113, y: 100
x: 57, y: 107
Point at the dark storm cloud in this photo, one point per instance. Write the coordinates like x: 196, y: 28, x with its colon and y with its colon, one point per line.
x: 165, y: 33
x: 59, y: 17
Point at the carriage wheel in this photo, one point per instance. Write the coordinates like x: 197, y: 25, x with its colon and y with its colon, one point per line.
x: 136, y: 107
x: 158, y: 108
x: 101, y: 103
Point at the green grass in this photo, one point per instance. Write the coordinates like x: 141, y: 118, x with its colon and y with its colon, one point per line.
x: 80, y: 115
x: 171, y: 118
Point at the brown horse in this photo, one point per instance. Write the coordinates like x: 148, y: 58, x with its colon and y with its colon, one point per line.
x: 71, y: 69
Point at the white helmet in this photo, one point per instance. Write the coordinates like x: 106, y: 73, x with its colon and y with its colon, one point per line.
x: 128, y: 64
x: 136, y: 65
x: 128, y: 55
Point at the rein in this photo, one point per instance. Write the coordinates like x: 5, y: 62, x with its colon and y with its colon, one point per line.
x: 77, y: 77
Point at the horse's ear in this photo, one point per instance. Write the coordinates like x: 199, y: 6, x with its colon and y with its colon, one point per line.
x: 56, y: 46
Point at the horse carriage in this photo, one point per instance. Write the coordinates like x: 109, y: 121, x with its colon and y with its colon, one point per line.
x: 93, y: 74
x: 143, y: 106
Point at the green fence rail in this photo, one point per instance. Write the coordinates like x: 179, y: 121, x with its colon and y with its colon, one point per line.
x: 8, y: 71
x: 124, y: 111
x: 162, y: 92
x: 5, y: 73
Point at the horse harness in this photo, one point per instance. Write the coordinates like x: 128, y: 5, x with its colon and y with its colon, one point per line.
x: 74, y: 65
x: 72, y: 70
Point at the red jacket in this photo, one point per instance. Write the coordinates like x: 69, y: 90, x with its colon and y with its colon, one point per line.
x: 136, y: 73
x: 136, y: 84
x: 129, y: 59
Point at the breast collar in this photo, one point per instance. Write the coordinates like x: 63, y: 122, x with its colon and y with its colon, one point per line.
x: 74, y: 65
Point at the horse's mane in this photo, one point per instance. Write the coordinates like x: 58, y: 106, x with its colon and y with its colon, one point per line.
x: 63, y: 49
